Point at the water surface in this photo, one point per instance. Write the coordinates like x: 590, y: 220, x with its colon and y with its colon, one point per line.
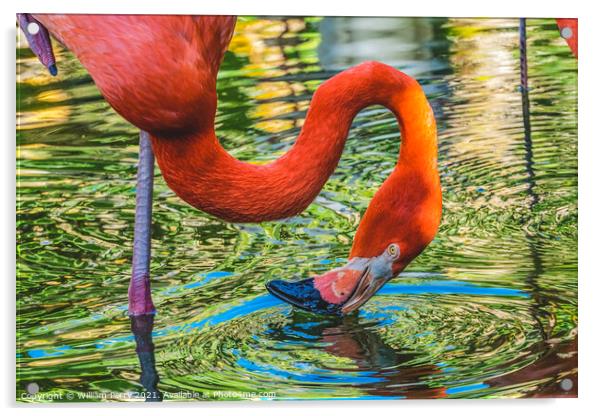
x: 488, y: 310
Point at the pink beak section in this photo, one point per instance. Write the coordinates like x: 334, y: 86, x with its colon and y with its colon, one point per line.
x: 336, y: 286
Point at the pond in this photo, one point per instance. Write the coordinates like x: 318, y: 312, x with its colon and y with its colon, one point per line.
x: 489, y: 309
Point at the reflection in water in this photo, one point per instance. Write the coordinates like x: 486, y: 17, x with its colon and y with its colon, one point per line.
x: 142, y: 328
x: 524, y: 90
x: 392, y: 370
x: 409, y: 43
x: 488, y: 310
x: 558, y: 362
x: 278, y: 350
x: 416, y: 46
x: 264, y: 43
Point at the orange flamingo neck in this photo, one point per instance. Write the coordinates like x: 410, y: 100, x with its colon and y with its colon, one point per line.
x: 202, y: 173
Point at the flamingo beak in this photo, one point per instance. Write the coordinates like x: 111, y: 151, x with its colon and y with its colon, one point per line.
x: 39, y: 42
x: 339, y: 291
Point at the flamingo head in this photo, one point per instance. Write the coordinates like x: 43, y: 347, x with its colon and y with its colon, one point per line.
x: 38, y: 39
x: 396, y: 228
x: 344, y: 289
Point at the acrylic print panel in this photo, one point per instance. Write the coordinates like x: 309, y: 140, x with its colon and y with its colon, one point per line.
x: 441, y: 266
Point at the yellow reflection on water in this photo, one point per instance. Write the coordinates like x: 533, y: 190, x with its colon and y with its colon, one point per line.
x: 40, y: 118
x: 52, y: 96
x: 485, y: 60
x: 59, y: 361
x: 261, y: 42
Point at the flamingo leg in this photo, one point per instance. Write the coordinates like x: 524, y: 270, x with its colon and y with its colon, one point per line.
x: 141, y: 308
x: 139, y: 294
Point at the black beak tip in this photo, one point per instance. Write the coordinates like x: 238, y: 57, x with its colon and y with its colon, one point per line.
x: 303, y: 295
x: 53, y: 70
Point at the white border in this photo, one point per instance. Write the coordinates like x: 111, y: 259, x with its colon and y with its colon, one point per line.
x: 590, y: 151
x: 457, y: 8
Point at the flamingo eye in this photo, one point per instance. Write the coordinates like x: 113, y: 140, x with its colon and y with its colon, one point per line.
x: 393, y: 250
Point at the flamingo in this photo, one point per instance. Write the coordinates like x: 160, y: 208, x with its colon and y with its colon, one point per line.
x: 159, y: 73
